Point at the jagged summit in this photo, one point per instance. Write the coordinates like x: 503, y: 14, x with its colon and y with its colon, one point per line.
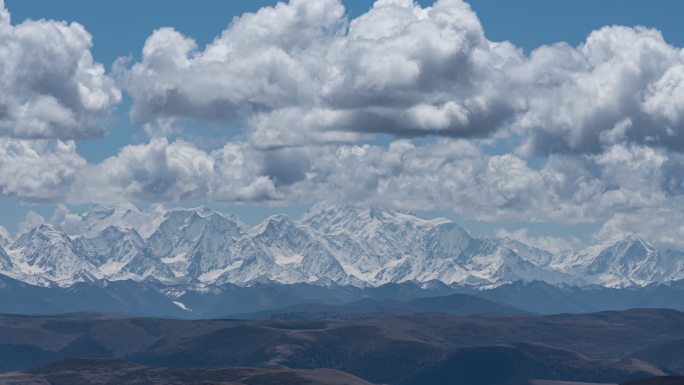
x: 124, y: 215
x: 330, y: 217
x: 118, y: 209
x: 44, y: 233
x: 620, y: 262
x: 330, y: 243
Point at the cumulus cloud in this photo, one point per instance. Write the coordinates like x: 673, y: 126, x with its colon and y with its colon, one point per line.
x: 4, y: 234
x: 664, y: 99
x: 158, y: 171
x: 301, y: 72
x: 445, y: 174
x: 458, y: 175
x: 68, y: 221
x: 239, y: 176
x: 177, y: 171
x: 38, y: 170
x: 601, y: 112
x: 408, y: 70
x: 51, y: 86
x: 664, y: 226
x: 308, y: 87
x: 618, y: 185
x: 31, y: 220
x: 155, y: 171
x: 622, y: 85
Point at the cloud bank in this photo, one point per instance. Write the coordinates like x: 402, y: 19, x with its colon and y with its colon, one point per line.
x: 302, y: 73
x: 585, y: 134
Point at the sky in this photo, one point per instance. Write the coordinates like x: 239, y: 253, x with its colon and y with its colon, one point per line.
x: 556, y: 123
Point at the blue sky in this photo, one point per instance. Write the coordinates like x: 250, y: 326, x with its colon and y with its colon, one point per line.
x: 121, y: 28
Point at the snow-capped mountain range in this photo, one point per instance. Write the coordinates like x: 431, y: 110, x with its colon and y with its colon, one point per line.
x: 329, y: 244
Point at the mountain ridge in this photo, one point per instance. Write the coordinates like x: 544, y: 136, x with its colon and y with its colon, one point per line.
x: 347, y: 245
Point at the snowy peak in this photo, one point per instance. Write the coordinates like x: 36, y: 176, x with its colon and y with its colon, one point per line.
x: 622, y: 262
x: 116, y: 211
x: 330, y: 218
x: 291, y: 252
x: 285, y: 240
x: 192, y: 224
x: 194, y: 242
x: 110, y: 243
x: 388, y: 232
x: 43, y: 234
x: 330, y: 243
x: 382, y: 246
x: 600, y: 256
x: 530, y: 253
x: 115, y: 234
x: 47, y: 253
x: 627, y: 251
x: 123, y: 215
x: 631, y: 247
x: 272, y: 222
x: 122, y: 254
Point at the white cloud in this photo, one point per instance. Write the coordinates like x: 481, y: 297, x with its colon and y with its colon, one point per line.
x: 299, y: 73
x: 665, y: 98
x: 69, y: 222
x: 31, y: 220
x: 160, y: 171
x: 308, y: 87
x: 621, y: 85
x: 238, y: 176
x: 52, y: 88
x: 4, y: 16
x: 457, y: 175
x: 4, y: 233
x: 156, y: 171
x: 619, y: 185
x: 664, y: 226
x: 38, y: 170
x: 446, y: 174
x: 625, y: 186
x: 408, y: 70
